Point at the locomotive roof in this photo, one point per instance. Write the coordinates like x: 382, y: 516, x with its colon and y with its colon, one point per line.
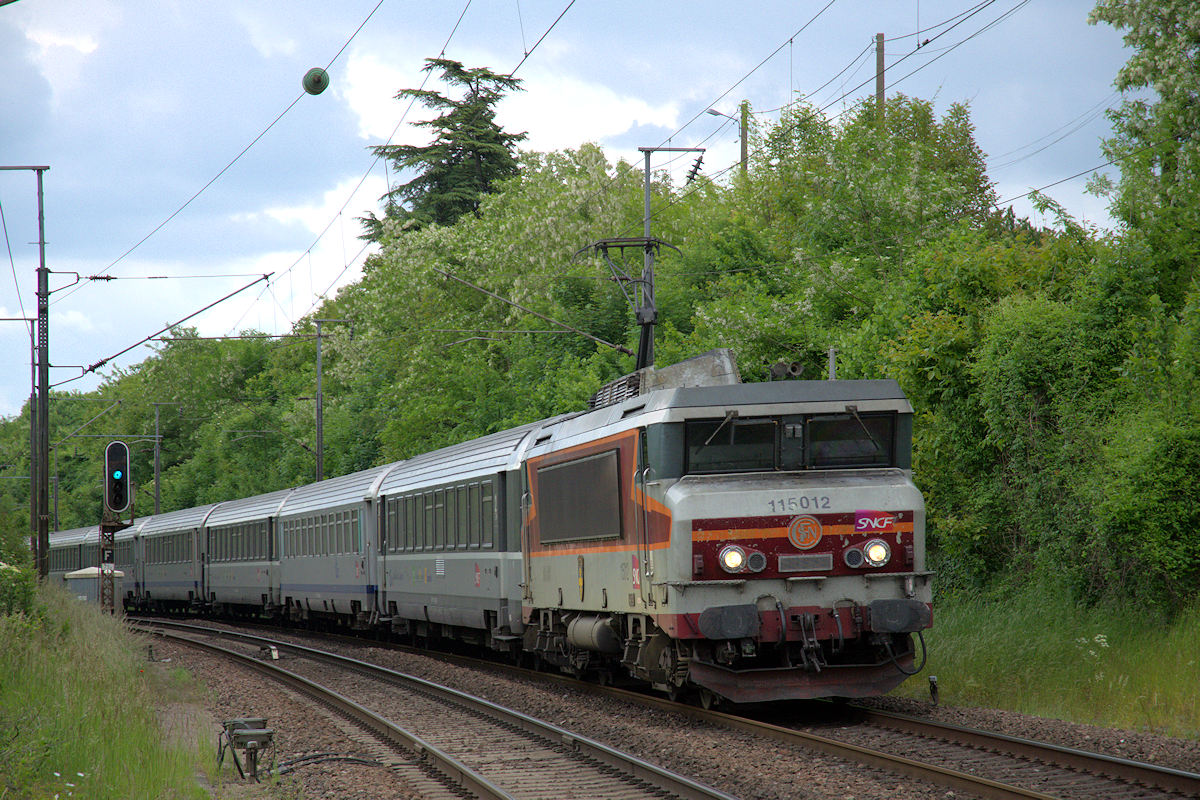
x: 834, y: 394
x: 748, y: 399
x: 248, y: 508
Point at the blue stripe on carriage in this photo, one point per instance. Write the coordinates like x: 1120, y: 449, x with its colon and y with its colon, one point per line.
x: 329, y: 588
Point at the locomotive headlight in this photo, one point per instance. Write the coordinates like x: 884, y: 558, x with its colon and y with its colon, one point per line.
x: 732, y: 558
x: 877, y: 553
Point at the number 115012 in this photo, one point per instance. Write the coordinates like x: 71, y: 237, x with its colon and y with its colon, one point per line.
x: 782, y: 505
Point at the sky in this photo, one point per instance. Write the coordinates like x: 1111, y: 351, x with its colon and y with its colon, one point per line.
x: 186, y: 161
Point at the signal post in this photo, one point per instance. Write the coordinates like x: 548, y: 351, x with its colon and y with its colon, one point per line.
x: 118, y: 497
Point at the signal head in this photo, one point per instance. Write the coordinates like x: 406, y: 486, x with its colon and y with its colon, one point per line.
x: 116, y: 477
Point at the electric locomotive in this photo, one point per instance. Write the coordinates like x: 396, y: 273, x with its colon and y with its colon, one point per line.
x: 751, y: 542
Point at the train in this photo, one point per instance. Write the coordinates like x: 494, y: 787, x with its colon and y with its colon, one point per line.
x: 710, y: 538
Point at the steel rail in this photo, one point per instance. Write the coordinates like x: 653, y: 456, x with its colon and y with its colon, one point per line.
x: 454, y: 771
x: 672, y: 782
x: 1142, y: 773
x: 1166, y: 778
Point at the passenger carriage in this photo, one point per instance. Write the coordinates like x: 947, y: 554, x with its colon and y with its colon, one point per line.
x: 450, y: 546
x: 242, y: 569
x: 327, y: 552
x: 173, y: 556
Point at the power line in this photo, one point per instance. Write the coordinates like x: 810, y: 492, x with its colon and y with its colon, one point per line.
x: 104, y: 361
x: 235, y: 159
x: 321, y: 297
x: 539, y: 41
x: 973, y: 11
x: 376, y: 159
x: 12, y: 263
x: 1076, y: 124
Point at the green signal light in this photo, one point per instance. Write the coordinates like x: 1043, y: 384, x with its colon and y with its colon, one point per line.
x: 117, y: 474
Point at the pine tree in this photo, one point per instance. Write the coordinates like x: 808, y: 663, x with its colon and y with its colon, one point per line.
x: 470, y: 153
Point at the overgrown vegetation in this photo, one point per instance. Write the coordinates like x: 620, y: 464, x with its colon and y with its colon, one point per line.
x: 1116, y: 667
x: 76, y: 710
x: 1055, y: 370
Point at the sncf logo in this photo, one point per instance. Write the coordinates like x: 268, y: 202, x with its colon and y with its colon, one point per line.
x: 874, y: 522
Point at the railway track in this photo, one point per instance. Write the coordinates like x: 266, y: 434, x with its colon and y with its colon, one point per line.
x: 978, y: 763
x: 464, y: 742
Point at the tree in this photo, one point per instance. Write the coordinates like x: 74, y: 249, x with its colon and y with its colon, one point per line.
x: 470, y: 153
x: 1155, y: 138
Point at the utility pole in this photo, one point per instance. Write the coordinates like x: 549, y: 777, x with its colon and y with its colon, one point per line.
x: 321, y: 403
x: 647, y: 312
x: 43, y: 301
x: 879, y: 69
x: 743, y: 125
x: 39, y: 456
x: 745, y: 130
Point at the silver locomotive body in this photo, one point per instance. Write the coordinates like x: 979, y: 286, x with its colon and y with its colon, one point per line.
x: 752, y: 542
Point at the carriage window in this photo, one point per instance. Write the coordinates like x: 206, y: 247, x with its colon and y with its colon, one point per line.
x: 489, y: 511
x: 731, y: 445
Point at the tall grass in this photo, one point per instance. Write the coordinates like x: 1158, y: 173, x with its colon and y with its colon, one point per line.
x: 77, y: 713
x: 1039, y: 653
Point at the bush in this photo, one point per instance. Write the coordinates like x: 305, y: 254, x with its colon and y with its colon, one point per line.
x: 17, y: 587
x: 1149, y: 512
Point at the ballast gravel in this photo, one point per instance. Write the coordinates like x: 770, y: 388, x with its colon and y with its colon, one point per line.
x: 736, y: 763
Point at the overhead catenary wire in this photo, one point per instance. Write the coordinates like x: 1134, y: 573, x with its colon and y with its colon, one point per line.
x: 11, y: 262
x: 235, y: 159
x: 353, y: 192
x: 321, y: 297
x: 975, y: 10
x: 103, y: 361
x: 1068, y: 129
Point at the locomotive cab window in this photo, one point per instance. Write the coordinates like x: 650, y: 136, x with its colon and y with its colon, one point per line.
x: 851, y: 440
x: 791, y: 442
x: 731, y: 445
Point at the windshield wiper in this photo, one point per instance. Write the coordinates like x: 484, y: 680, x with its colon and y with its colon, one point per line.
x: 728, y: 416
x: 854, y: 410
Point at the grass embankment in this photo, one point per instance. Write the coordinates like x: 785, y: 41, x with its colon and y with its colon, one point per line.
x: 1041, y: 654
x: 78, y: 710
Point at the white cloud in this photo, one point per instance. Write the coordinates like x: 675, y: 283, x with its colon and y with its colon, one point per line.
x: 74, y: 321
x: 265, y: 34
x: 68, y: 37
x: 347, y: 193
x: 369, y: 87
x: 82, y: 43
x: 561, y: 111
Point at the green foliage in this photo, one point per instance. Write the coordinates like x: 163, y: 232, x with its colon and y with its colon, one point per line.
x: 1037, y: 651
x: 76, y: 710
x: 14, y: 531
x: 469, y: 155
x: 17, y: 585
x: 1146, y: 521
x: 1154, y: 138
